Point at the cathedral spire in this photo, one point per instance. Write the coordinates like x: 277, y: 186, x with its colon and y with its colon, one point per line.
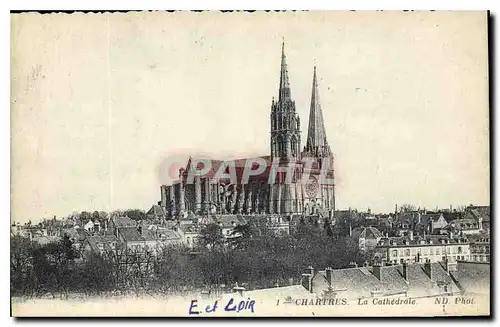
x: 316, y: 143
x: 284, y: 92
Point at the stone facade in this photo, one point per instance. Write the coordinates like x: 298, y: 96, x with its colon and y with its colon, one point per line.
x: 288, y: 193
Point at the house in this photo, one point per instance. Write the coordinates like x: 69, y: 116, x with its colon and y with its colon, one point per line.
x: 431, y: 223
x: 189, y: 234
x: 385, y: 223
x: 189, y: 218
x: 227, y: 223
x: 32, y: 232
x: 347, y: 218
x: 156, y: 212
x: 131, y: 238
x: 122, y: 222
x: 275, y: 223
x: 44, y: 239
x: 405, y: 280
x: 77, y: 236
x: 435, y: 248
x: 157, y: 239
x: 100, y: 244
x: 15, y: 229
x: 367, y: 237
x: 465, y: 226
x: 139, y: 240
x: 370, y: 220
x: 92, y: 226
x: 481, y: 214
x: 451, y: 215
x: 278, y: 224
x: 406, y: 221
x: 479, y: 247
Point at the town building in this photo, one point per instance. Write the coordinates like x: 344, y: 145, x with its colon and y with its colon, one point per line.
x: 189, y: 234
x: 481, y: 214
x: 479, y: 247
x: 101, y: 244
x: 435, y: 248
x: 367, y: 237
x: 466, y: 226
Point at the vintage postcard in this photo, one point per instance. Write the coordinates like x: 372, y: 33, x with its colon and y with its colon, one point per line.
x: 250, y: 164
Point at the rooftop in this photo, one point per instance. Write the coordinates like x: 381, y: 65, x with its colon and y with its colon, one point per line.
x: 363, y: 282
x: 419, y: 240
x: 473, y: 277
x: 125, y: 221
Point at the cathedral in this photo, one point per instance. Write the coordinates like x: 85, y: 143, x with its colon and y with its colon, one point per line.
x: 302, y: 184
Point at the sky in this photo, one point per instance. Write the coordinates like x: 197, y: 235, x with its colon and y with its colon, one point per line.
x: 100, y: 101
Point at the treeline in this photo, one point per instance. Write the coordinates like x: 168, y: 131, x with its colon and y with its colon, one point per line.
x: 255, y: 257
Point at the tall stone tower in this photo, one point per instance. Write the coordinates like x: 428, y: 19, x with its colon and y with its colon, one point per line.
x: 317, y: 147
x: 285, y: 141
x: 285, y: 122
x: 316, y: 143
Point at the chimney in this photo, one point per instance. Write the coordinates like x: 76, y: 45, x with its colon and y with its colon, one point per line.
x: 405, y: 271
x: 446, y: 265
x: 310, y: 271
x: 428, y: 268
x: 307, y: 282
x: 377, y: 271
x: 239, y: 289
x: 328, y: 272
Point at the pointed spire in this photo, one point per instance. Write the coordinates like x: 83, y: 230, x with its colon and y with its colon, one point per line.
x: 284, y: 92
x: 316, y: 143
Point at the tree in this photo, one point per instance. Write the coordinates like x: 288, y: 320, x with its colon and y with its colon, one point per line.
x: 96, y: 276
x: 85, y: 216
x: 95, y: 216
x: 328, y: 227
x: 329, y: 293
x: 22, y: 279
x: 67, y: 248
x: 135, y: 214
x: 407, y: 208
x: 211, y: 237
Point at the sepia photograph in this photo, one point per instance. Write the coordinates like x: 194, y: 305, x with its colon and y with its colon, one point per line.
x: 250, y: 164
